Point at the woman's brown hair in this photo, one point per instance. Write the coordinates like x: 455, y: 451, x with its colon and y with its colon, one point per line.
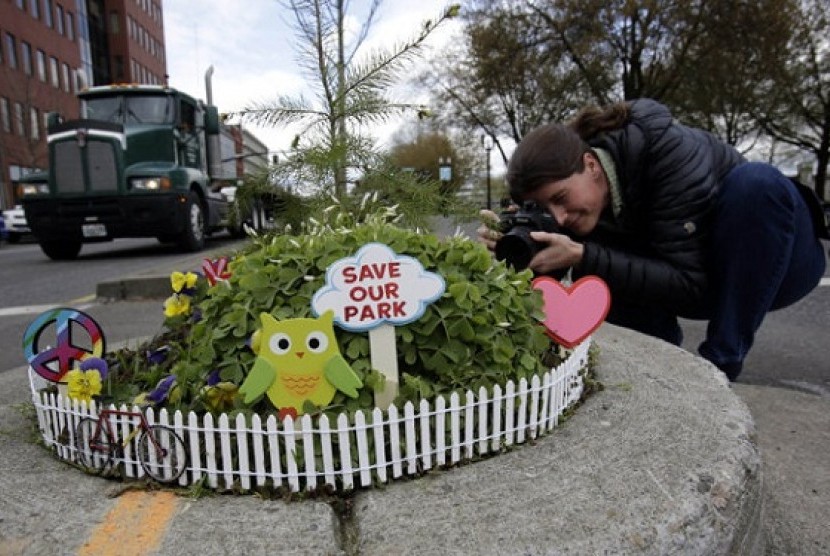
x: 554, y: 152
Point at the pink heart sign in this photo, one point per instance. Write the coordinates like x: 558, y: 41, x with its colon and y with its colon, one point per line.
x: 573, y: 312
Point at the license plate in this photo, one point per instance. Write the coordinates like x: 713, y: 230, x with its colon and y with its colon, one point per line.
x: 94, y: 230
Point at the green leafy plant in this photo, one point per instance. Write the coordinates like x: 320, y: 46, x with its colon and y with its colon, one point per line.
x: 483, y: 331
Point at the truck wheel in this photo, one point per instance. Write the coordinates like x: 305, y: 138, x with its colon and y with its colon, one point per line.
x: 61, y: 250
x: 193, y: 236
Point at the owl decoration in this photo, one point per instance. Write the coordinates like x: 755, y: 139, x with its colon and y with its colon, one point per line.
x: 298, y: 360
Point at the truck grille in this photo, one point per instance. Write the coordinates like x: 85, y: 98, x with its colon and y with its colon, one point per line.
x: 100, y: 163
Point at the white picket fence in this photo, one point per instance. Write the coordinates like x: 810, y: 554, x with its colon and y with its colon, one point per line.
x: 312, y: 452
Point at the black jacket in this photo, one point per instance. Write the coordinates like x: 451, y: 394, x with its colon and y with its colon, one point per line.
x: 655, y: 253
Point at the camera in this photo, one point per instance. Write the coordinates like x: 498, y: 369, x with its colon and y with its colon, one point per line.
x: 516, y: 247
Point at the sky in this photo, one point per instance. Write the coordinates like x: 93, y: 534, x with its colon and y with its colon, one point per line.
x: 251, y: 46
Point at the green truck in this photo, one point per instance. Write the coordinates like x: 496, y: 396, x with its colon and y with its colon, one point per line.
x: 142, y: 161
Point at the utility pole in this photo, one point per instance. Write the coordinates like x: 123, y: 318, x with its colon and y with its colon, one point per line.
x: 487, y: 143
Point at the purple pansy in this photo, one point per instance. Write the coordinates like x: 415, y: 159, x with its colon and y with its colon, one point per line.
x: 213, y: 378
x: 162, y: 389
x: 158, y: 356
x: 95, y: 363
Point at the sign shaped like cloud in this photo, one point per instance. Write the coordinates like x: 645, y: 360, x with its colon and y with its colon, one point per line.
x: 377, y: 286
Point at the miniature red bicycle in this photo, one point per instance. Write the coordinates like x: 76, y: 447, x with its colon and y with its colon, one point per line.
x: 159, y: 449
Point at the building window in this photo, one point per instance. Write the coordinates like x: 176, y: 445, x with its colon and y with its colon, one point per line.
x: 26, y: 49
x: 115, y: 26
x: 41, y: 65
x: 18, y: 119
x: 5, y: 117
x: 34, y: 8
x: 11, y: 50
x: 119, y: 67
x: 70, y: 26
x: 21, y: 4
x: 34, y: 122
x: 59, y: 18
x: 53, y: 72
x: 48, y: 8
x: 65, y: 76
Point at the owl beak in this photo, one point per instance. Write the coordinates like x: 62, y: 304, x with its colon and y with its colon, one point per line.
x: 300, y: 354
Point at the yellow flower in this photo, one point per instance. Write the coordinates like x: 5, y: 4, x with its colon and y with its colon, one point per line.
x: 181, y: 281
x: 141, y: 399
x: 220, y: 396
x: 83, y: 384
x: 177, y: 305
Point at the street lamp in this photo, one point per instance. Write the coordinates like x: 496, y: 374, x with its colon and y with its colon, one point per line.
x: 487, y: 143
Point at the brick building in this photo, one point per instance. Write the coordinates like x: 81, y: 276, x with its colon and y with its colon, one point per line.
x: 49, y: 49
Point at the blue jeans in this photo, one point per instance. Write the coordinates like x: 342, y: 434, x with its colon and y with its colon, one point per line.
x: 764, y: 256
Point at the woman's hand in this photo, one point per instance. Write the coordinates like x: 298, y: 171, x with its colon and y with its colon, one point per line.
x: 488, y: 232
x: 561, y: 252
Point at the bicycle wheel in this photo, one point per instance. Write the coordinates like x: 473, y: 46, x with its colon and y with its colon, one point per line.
x: 162, y: 454
x: 94, y: 448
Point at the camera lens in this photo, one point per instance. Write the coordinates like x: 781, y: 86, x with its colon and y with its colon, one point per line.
x: 516, y: 248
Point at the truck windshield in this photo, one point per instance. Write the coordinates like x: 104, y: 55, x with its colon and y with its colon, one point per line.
x: 135, y: 109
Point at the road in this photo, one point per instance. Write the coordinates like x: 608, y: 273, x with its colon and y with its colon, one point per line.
x: 32, y: 283
x: 790, y: 349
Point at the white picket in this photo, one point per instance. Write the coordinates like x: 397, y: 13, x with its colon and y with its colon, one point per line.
x: 394, y: 441
x: 178, y: 428
x: 260, y: 471
x: 533, y: 422
x: 130, y: 463
x: 469, y: 425
x: 325, y: 444
x: 62, y: 429
x: 543, y: 412
x: 440, y: 431
x: 455, y: 428
x: 362, y: 449
x: 521, y: 421
x: 210, y: 452
x: 290, y: 450
x: 482, y: 420
x: 308, y: 453
x: 410, y: 438
x: 224, y: 433
x: 380, y: 444
x: 242, y: 452
x: 495, y: 444
x: 45, y: 409
x: 195, y: 455
x: 345, y: 451
x: 153, y: 456
x: 509, y: 412
x: 274, y: 451
x: 426, y: 441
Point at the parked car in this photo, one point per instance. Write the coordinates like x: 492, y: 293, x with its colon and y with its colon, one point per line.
x: 16, y: 225
x: 3, y: 235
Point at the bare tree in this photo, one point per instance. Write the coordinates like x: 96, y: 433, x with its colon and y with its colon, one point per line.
x: 799, y: 113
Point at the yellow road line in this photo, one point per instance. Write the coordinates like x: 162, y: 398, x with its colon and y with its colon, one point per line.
x: 135, y: 526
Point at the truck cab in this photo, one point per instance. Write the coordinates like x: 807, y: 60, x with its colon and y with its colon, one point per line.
x: 142, y: 161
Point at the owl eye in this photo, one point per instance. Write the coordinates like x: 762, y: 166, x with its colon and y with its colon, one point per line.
x: 280, y: 343
x: 317, y: 342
